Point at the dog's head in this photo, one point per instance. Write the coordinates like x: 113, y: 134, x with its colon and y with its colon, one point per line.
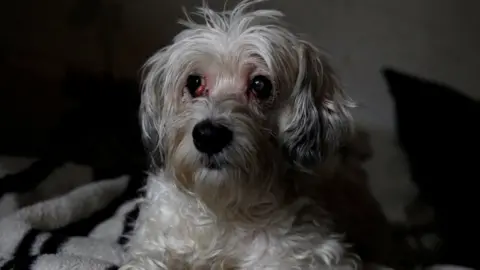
x: 239, y: 92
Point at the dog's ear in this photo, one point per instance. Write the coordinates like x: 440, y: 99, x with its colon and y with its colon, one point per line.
x: 152, y: 107
x: 316, y: 119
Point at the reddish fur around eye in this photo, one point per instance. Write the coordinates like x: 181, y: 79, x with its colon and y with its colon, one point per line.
x: 200, y: 91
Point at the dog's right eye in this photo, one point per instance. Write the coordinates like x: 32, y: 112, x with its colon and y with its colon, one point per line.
x: 261, y: 87
x: 195, y: 85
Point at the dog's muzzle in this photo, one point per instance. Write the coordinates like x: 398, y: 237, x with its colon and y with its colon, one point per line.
x: 211, y: 138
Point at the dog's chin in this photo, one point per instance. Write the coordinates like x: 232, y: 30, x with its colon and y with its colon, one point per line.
x: 213, y: 162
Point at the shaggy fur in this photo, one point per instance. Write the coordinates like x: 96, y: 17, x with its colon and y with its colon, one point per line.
x: 252, y: 209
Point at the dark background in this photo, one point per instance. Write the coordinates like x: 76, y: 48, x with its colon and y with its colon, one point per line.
x: 69, y: 73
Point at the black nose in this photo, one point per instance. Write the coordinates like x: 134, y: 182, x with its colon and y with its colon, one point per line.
x: 211, y: 138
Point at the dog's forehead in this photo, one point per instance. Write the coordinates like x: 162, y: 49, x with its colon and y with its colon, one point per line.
x: 229, y: 46
x: 233, y: 38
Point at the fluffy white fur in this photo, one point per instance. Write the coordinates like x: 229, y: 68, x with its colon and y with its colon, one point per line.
x: 250, y: 212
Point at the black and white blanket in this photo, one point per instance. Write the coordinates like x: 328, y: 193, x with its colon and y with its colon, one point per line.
x: 57, y: 215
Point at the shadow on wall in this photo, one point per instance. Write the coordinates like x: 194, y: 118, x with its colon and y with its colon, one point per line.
x: 105, y: 42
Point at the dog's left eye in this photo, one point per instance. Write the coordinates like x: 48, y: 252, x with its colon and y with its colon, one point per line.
x: 261, y: 87
x: 195, y: 85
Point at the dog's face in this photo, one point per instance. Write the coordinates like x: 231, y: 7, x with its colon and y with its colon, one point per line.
x: 236, y: 96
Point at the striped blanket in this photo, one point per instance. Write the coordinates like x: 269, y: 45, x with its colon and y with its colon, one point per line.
x: 59, y: 215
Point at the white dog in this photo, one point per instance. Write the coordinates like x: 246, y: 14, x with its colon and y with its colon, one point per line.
x: 241, y: 116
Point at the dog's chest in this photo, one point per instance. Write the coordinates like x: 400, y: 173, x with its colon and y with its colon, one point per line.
x: 175, y: 227
x: 195, y: 230
x: 200, y: 242
x: 182, y: 225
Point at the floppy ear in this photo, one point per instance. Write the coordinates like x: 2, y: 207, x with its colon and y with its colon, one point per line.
x: 316, y: 119
x: 152, y: 109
